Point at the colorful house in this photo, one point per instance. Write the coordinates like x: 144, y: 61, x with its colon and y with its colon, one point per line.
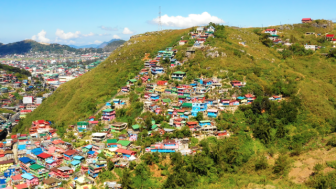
x: 205, y: 123
x: 4, y: 165
x: 125, y: 153
x: 198, y: 107
x: 154, y: 97
x: 30, y: 180
x: 39, y: 171
x: 212, y: 113
x: 82, y: 126
x: 179, y: 75
x: 84, y: 183
x: 167, y: 146
x: 131, y: 82
x: 108, y: 114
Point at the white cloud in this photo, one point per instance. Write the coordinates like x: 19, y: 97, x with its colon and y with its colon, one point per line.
x: 41, y: 37
x: 189, y: 21
x: 116, y: 37
x: 108, y: 28
x: 88, y: 35
x: 61, y: 34
x: 71, y: 42
x: 97, y: 42
x: 127, y: 31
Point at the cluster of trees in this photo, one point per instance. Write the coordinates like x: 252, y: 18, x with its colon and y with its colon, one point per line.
x: 19, y: 72
x: 295, y: 50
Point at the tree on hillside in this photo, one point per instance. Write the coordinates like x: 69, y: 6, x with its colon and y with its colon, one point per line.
x: 126, y: 180
x: 262, y: 131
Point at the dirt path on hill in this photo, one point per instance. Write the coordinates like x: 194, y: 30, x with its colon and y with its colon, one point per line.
x: 303, y: 167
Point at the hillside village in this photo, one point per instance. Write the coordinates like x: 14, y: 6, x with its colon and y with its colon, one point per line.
x: 173, y: 110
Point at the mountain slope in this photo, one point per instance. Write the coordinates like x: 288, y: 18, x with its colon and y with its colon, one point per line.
x: 111, y: 46
x: 26, y: 46
x: 81, y: 97
x: 102, y: 45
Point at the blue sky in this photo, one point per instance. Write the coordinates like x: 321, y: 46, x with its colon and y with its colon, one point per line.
x: 82, y: 22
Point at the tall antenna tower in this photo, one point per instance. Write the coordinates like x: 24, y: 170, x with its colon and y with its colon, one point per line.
x: 160, y: 25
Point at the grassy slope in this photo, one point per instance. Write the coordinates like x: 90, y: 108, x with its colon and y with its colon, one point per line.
x: 79, y: 98
x: 314, y: 76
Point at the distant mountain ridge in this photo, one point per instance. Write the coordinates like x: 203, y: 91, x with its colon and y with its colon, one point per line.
x: 102, y: 45
x: 26, y: 46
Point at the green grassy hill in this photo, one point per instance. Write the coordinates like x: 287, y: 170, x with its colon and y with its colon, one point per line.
x: 279, y: 131
x: 80, y: 98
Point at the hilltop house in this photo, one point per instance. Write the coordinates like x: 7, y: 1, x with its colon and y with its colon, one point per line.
x: 183, y: 42
x: 271, y: 31
x: 306, y: 20
x: 310, y: 47
x: 330, y: 37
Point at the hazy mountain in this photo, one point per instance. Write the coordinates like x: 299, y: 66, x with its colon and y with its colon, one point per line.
x: 26, y: 46
x: 102, y: 45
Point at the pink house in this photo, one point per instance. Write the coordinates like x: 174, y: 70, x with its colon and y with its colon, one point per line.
x: 30, y: 180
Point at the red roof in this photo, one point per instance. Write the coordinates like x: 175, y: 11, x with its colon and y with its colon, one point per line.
x: 21, y: 186
x: 58, y: 142
x: 123, y: 151
x: 161, y: 82
x: 334, y: 39
x: 248, y: 95
x: 44, y: 155
x: 330, y: 35
x: 270, y: 30
x: 192, y: 122
x: 306, y: 19
x: 16, y: 177
x: 184, y: 41
x: 70, y: 152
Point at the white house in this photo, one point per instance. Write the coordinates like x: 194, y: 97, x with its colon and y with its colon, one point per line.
x: 211, y: 29
x: 182, y: 42
x: 310, y: 47
x: 271, y: 31
x: 200, y: 29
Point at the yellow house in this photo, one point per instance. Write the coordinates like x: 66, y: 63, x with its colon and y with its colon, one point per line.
x: 110, y: 152
x: 160, y: 88
x: 84, y: 183
x: 4, y: 165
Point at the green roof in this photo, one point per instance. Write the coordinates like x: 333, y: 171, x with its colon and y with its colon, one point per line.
x: 108, y: 110
x: 112, y: 141
x: 274, y: 35
x: 166, y: 100
x: 187, y: 105
x: 154, y: 127
x: 204, y: 121
x: 82, y: 123
x: 124, y: 142
x: 136, y: 126
x: 36, y: 166
x: 132, y: 80
x: 179, y: 72
x: 182, y: 97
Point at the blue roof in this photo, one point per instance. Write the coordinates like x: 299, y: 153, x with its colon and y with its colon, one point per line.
x: 88, y: 146
x: 50, y: 161
x: 91, y: 152
x: 78, y: 157
x: 240, y: 97
x: 75, y: 162
x: 25, y: 160
x: 27, y: 176
x: 22, y: 147
x: 37, y: 151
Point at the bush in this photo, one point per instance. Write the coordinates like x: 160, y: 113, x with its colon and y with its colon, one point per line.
x: 332, y: 142
x: 261, y: 163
